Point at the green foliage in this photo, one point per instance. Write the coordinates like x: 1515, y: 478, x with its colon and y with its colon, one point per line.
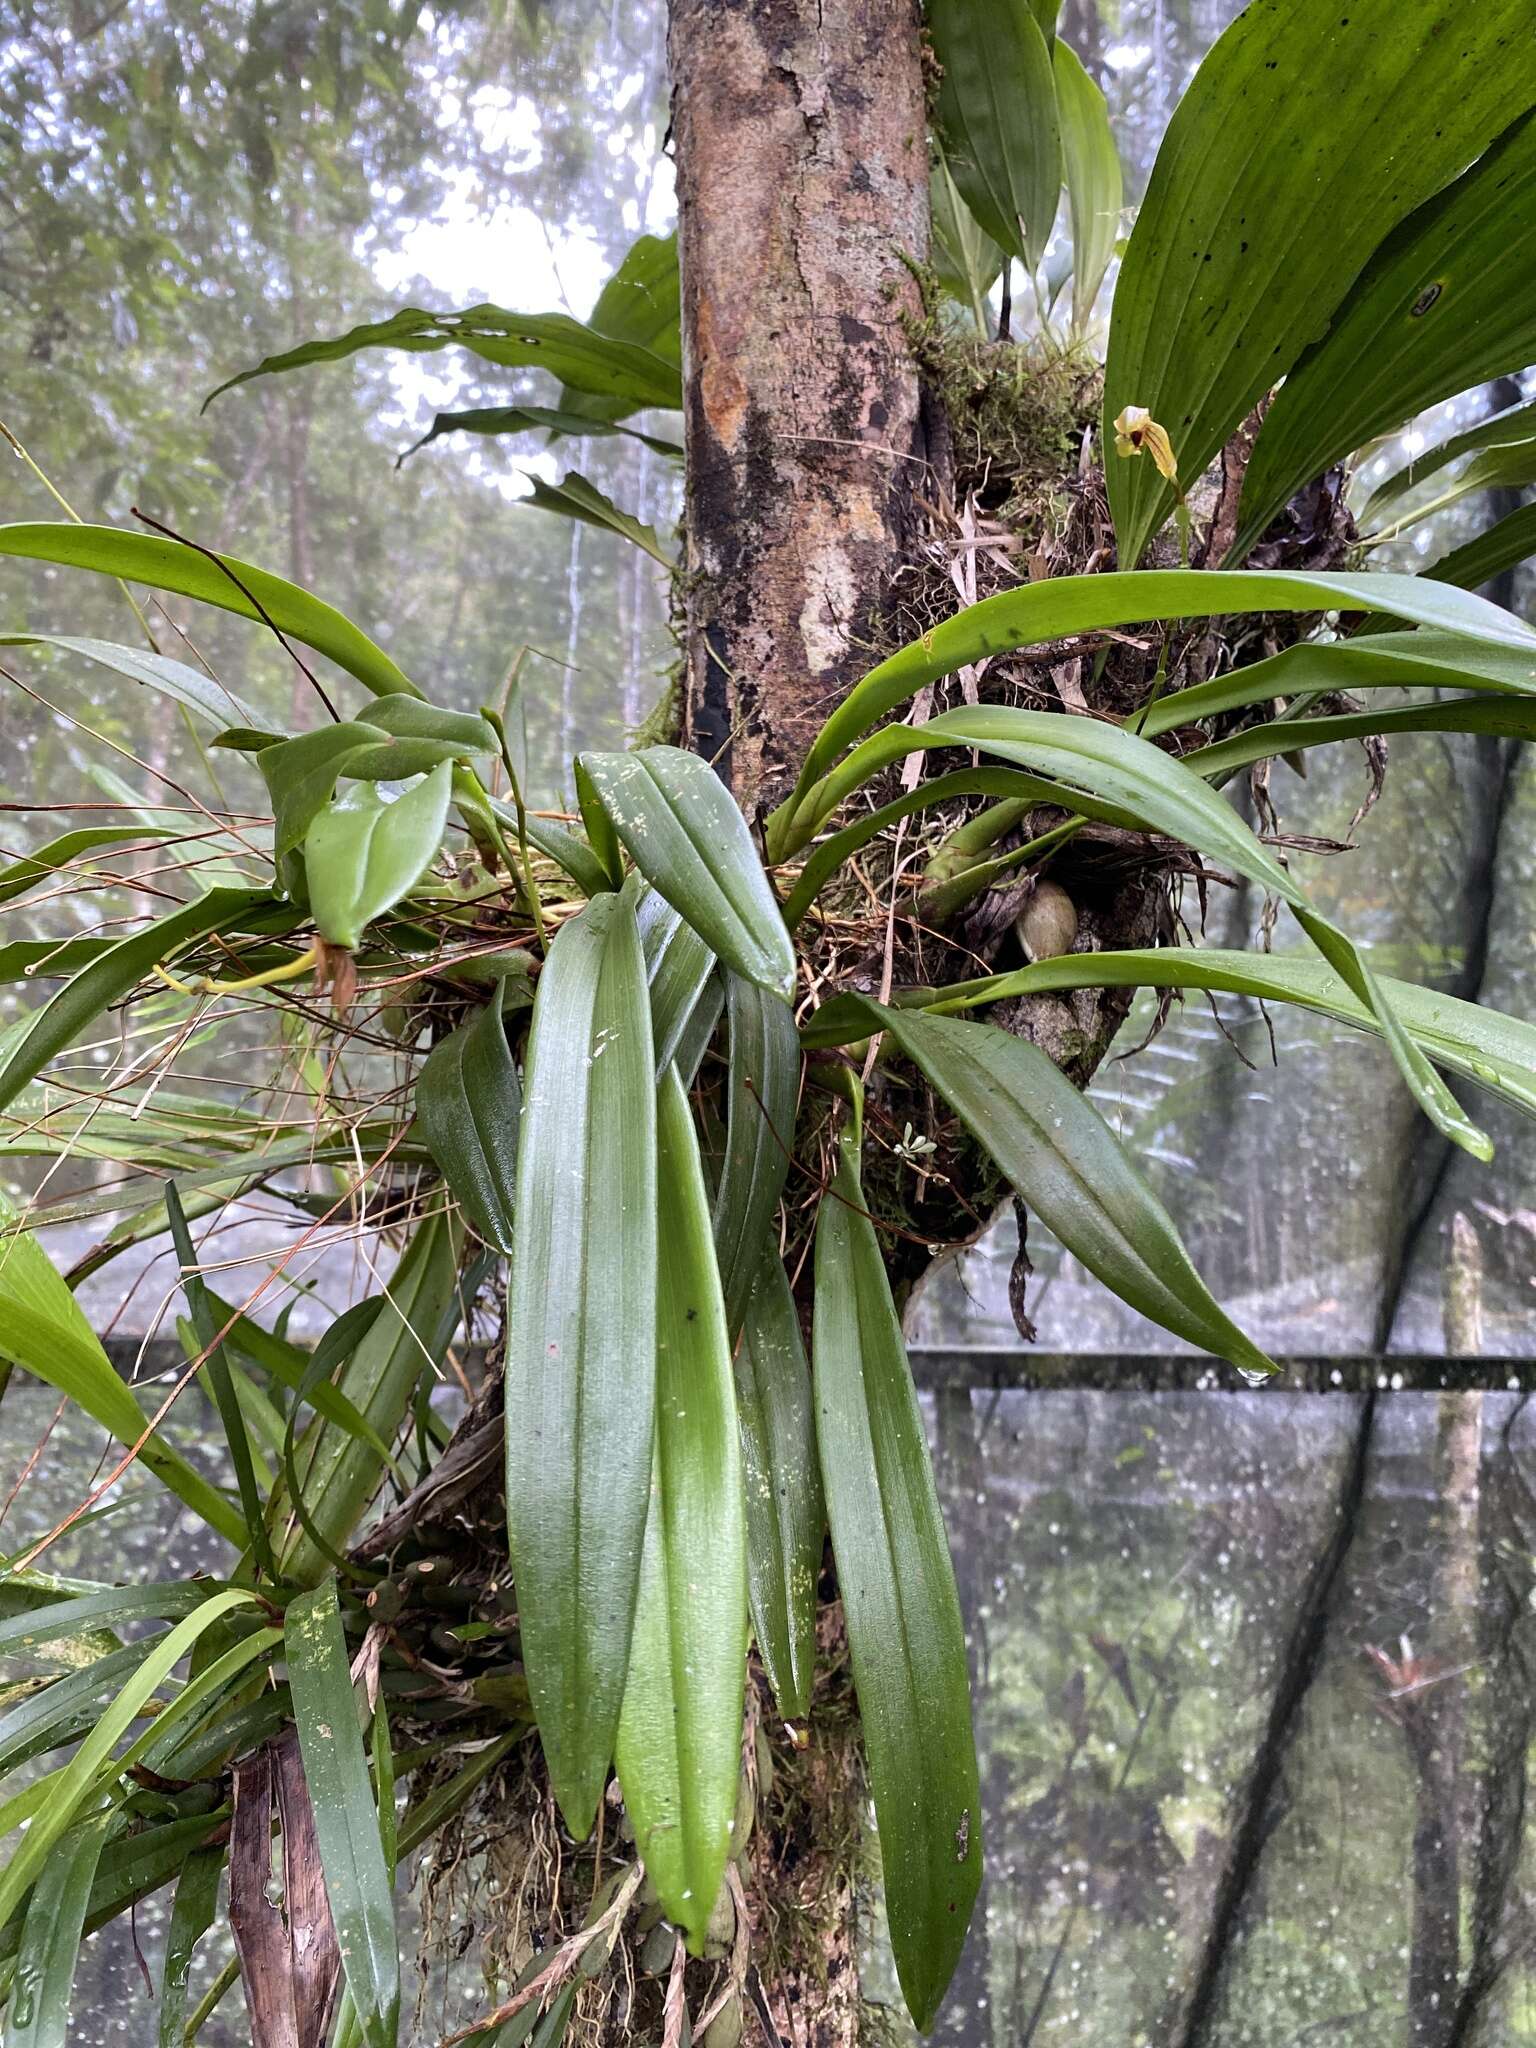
x: 677, y: 1189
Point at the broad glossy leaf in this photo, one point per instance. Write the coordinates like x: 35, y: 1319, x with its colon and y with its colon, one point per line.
x: 584, y: 359
x: 1505, y: 545
x: 964, y: 256
x: 1442, y: 661
x: 762, y: 1097
x: 364, y: 853
x: 493, y: 420
x: 786, y: 1516
x: 1447, y: 301
x: 1069, y: 1169
x: 681, y: 828
x: 340, y: 1474
x: 113, y: 973
x: 358, y: 1884
x: 469, y: 1100
x: 601, y: 837
x: 1496, y: 1050
x: 301, y: 774
x: 186, y: 686
x: 581, y: 1308
x: 679, y: 1734
x: 641, y: 304
x: 997, y: 117
x: 1064, y: 605
x: 1309, y: 132
x: 575, y: 498
x: 1514, y: 427
x: 44, y: 1330
x: 905, y: 1633
x: 51, y: 1936
x: 170, y: 565
x: 410, y: 718
x: 678, y: 967
x: 1095, y: 189
x: 69, y: 1786
x: 192, y: 1911
x: 64, y: 854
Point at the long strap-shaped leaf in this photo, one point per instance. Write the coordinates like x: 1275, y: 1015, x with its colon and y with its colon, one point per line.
x: 679, y: 825
x: 581, y: 1311
x: 1067, y: 1167
x: 113, y: 973
x: 171, y: 565
x: 1489, y: 1047
x: 50, y: 1939
x: 679, y: 1736
x: 470, y: 1101
x: 357, y: 1878
x: 1117, y: 766
x: 786, y: 1516
x: 1310, y: 130
x: 1504, y: 715
x: 1506, y: 544
x: 762, y: 1095
x: 1082, y: 604
x: 192, y: 1911
x: 905, y: 1632
x: 997, y: 114
x: 186, y: 686
x: 678, y: 966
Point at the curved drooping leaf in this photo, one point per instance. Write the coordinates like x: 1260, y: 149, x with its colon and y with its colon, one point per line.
x: 192, y: 1911
x: 1508, y: 466
x: 63, y: 854
x: 1068, y: 1168
x: 68, y: 1787
x: 574, y: 497
x: 1442, y: 661
x: 57, y: 1712
x: 111, y: 975
x: 469, y: 1100
x: 1507, y: 716
x: 678, y: 967
x: 50, y: 1938
x: 301, y: 774
x: 905, y: 1633
x: 584, y: 359
x: 1095, y: 189
x: 786, y: 1515
x: 110, y: 1607
x: 1309, y: 132
x: 581, y: 1308
x: 762, y: 1096
x: 1118, y: 767
x: 44, y: 1330
x: 171, y: 565
x: 340, y: 1472
x: 997, y: 117
x: 494, y: 420
x: 677, y: 822
x: 1487, y: 1046
x: 1447, y: 301
x: 1504, y: 545
x: 679, y: 1736
x: 364, y: 853
x: 1514, y: 426
x: 186, y: 686
x: 358, y: 1883
x: 1065, y: 605
x: 412, y: 718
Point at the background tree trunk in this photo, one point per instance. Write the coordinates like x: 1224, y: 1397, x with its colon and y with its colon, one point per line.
x: 802, y: 200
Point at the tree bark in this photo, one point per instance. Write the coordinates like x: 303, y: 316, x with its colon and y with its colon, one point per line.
x: 802, y: 203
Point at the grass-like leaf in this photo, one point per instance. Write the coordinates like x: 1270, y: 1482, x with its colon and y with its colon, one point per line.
x: 50, y: 1939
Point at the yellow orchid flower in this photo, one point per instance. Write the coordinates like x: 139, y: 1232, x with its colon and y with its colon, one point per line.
x: 1136, y: 430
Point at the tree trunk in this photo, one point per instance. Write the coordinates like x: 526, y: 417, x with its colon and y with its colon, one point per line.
x: 802, y: 202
